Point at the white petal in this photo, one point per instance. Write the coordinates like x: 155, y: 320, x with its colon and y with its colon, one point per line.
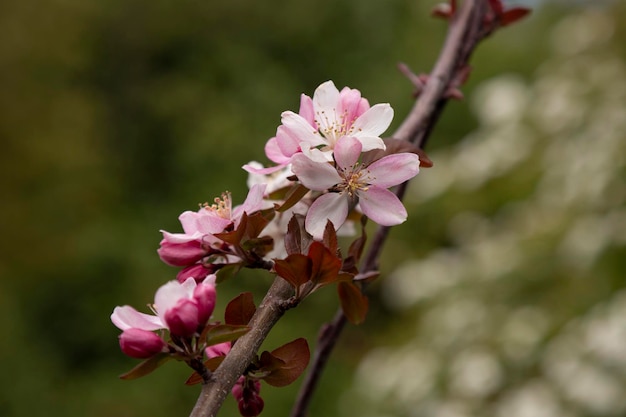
x: 314, y: 175
x: 301, y: 129
x: 254, y: 202
x: 331, y: 206
x: 382, y: 206
x: 373, y: 122
x: 394, y: 169
x: 326, y: 98
x: 126, y: 317
x: 168, y: 295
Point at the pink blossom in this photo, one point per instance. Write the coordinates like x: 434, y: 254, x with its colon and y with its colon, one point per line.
x: 330, y: 115
x: 351, y: 182
x: 221, y: 349
x: 141, y: 344
x: 181, y: 308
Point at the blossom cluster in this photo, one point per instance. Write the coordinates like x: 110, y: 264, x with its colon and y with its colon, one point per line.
x: 331, y: 167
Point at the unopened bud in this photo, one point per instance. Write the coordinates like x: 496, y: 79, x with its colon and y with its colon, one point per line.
x: 141, y: 344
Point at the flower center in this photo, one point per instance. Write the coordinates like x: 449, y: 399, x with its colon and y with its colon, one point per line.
x: 221, y: 206
x: 334, y: 126
x: 355, y: 179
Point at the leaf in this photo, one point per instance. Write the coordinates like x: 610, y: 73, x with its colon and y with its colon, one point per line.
x: 353, y: 303
x: 513, y: 15
x: 240, y: 309
x: 254, y: 226
x: 210, y: 364
x: 295, y: 269
x: 294, y: 195
x: 330, y: 237
x: 259, y: 245
x: 297, y: 240
x: 225, y: 333
x: 227, y: 271
x: 147, y: 366
x: 286, y: 363
x: 325, y: 264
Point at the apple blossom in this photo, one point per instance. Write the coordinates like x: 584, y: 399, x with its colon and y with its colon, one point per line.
x: 180, y: 308
x: 141, y: 344
x: 350, y: 182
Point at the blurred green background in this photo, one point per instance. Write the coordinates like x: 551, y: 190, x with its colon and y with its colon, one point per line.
x: 503, y: 293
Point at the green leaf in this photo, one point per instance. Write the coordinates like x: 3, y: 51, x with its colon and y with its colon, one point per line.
x: 227, y: 272
x: 295, y: 269
x: 147, y: 366
x: 240, y: 309
x: 353, y: 303
x: 225, y: 333
x: 286, y: 363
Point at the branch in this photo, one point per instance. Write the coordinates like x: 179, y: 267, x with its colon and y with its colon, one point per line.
x: 466, y: 31
x: 243, y: 351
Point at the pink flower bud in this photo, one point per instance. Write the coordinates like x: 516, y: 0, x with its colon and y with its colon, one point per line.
x: 204, y: 294
x: 141, y: 344
x: 221, y: 349
x: 198, y: 272
x: 182, y: 319
x: 246, y: 392
x: 181, y: 254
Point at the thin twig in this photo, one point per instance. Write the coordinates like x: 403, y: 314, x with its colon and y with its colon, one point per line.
x: 463, y: 36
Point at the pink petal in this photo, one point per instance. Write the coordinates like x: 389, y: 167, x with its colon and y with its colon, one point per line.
x: 126, y: 317
x: 347, y: 151
x: 382, y: 206
x: 168, y: 295
x: 373, y: 122
x: 394, y: 169
x: 307, y: 111
x: 180, y: 237
x: 301, y: 129
x: 288, y: 142
x: 331, y: 206
x: 274, y: 153
x: 254, y: 202
x: 370, y: 142
x: 260, y: 170
x: 314, y: 175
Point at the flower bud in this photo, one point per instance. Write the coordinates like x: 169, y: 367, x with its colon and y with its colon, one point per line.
x: 141, y: 344
x: 181, y: 254
x: 182, y: 319
x: 198, y: 272
x: 204, y: 294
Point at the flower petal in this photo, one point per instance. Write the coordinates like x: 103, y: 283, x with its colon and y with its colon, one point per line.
x: 326, y: 99
x: 301, y: 129
x: 394, y: 169
x: 314, y: 175
x: 126, y: 317
x: 169, y: 293
x: 254, y: 202
x: 307, y: 110
x: 347, y: 151
x: 331, y: 206
x: 373, y: 122
x: 382, y: 206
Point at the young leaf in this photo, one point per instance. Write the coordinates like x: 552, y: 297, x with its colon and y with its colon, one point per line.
x: 286, y: 363
x: 330, y: 237
x: 353, y: 303
x: 225, y: 333
x: 147, y: 366
x: 255, y: 225
x: 294, y: 195
x: 297, y: 240
x: 295, y: 269
x: 325, y: 264
x: 240, y: 309
x: 227, y: 271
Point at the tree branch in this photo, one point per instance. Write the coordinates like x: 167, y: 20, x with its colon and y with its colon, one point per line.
x: 464, y: 34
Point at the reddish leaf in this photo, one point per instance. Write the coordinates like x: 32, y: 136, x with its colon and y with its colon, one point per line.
x: 353, y: 303
x: 295, y: 269
x: 211, y: 365
x: 325, y: 264
x: 496, y: 6
x: 513, y: 15
x: 297, y: 240
x: 240, y: 309
x: 225, y: 333
x: 294, y: 195
x: 286, y: 363
x: 255, y: 225
x: 147, y: 366
x: 330, y: 237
